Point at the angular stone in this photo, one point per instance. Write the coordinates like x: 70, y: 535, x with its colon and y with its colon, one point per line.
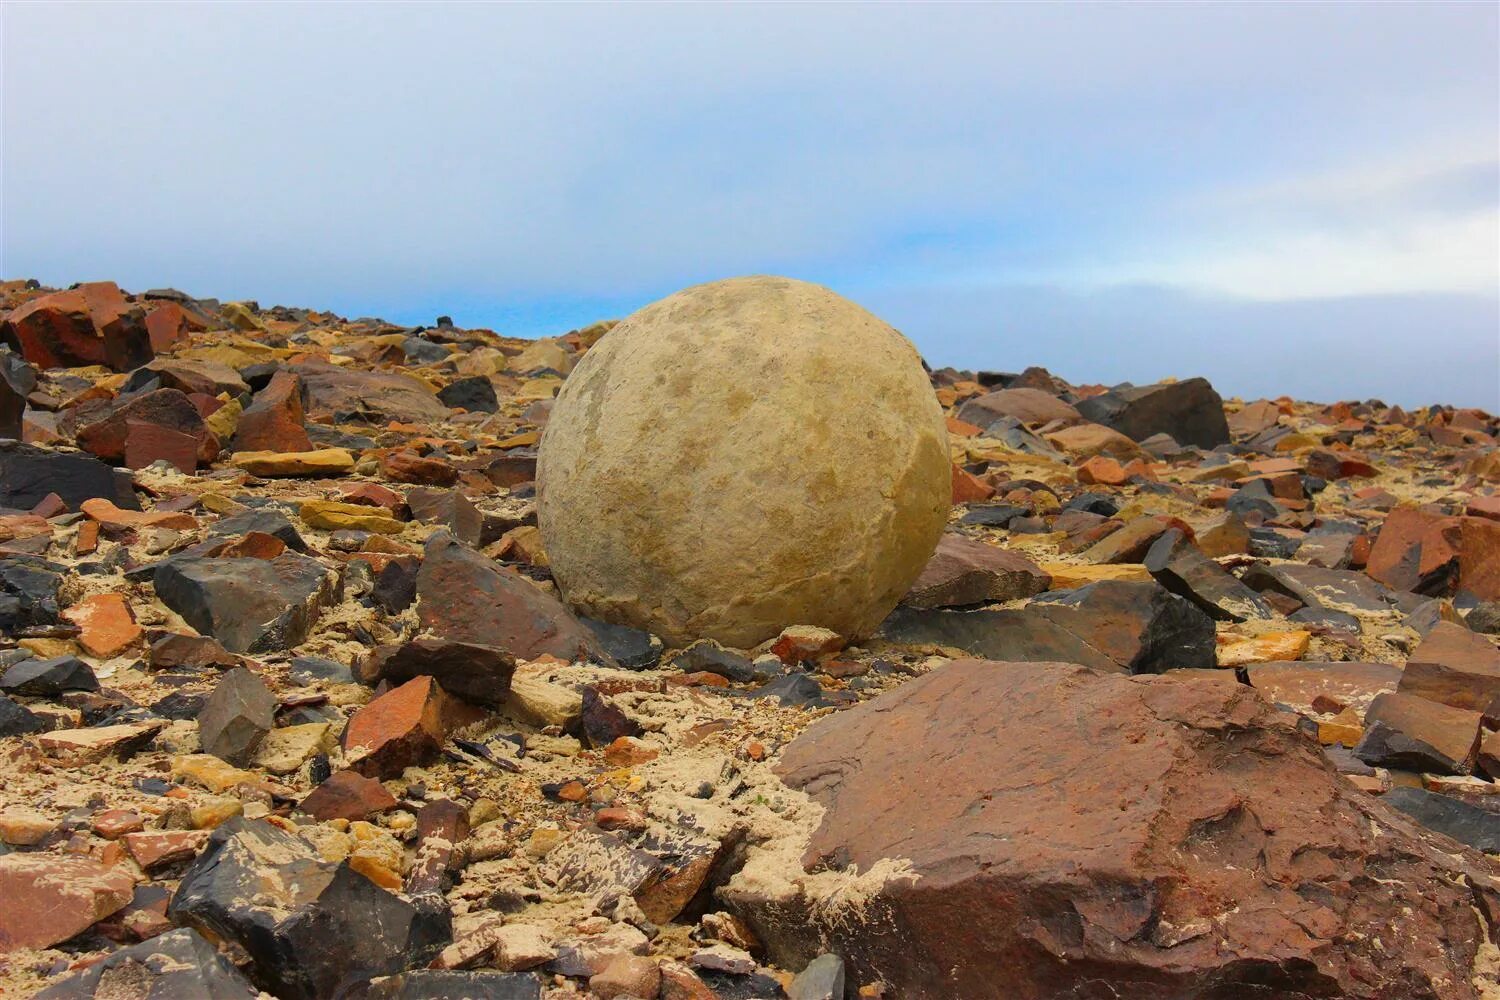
x: 522, y: 946
x: 274, y: 420
x: 177, y: 965
x: 49, y: 898
x: 17, y: 720
x: 91, y: 324
x: 347, y: 795
x: 404, y: 727
x: 17, y: 381
x: 626, y: 976
x: 1190, y: 411
x: 155, y: 850
x: 600, y: 722
x: 662, y: 870
x: 1140, y: 626
x: 1182, y: 568
x: 1264, y: 648
x: 1025, y: 634
x: 1130, y: 543
x: 236, y: 717
x: 1409, y: 733
x: 1314, y: 586
x: 406, y: 466
x: 147, y: 443
x: 29, y: 474
x: 330, y: 515
x: 107, y: 625
x: 1015, y: 866
x: 464, y: 597
x: 965, y: 571
x: 320, y: 462
x: 1467, y: 824
x: 348, y: 395
x: 1416, y: 551
x: 1086, y: 440
x: 191, y: 651
x: 250, y: 605
x: 630, y: 647
x: 475, y: 394
x: 823, y: 979
x: 266, y: 521
x: 108, y: 437
x: 49, y: 678
x: 449, y: 508
x: 1299, y: 684
x: 1455, y: 667
x: 1030, y: 406
x: 195, y: 375
x: 110, y: 516
x: 479, y: 674
x: 267, y: 891
x: 77, y: 747
x: 1479, y: 558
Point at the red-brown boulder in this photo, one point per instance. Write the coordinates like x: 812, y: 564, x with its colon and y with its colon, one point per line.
x: 92, y: 324
x: 1043, y: 831
x: 274, y: 421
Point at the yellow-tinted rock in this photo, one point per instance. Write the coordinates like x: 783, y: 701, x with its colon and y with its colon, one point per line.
x: 210, y: 772
x: 284, y: 750
x: 210, y: 812
x: 323, y: 462
x: 1265, y: 648
x: 1066, y: 576
x: 742, y: 456
x: 225, y: 420
x: 330, y: 515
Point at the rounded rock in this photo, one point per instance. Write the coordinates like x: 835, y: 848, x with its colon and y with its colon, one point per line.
x: 742, y: 456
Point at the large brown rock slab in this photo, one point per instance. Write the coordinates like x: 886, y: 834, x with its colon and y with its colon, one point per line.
x: 1456, y: 667
x: 350, y: 394
x: 739, y: 457
x: 48, y: 898
x: 1069, y: 834
x: 90, y: 324
x: 1030, y: 406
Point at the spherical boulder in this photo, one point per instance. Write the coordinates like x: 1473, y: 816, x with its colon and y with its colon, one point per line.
x: 739, y: 457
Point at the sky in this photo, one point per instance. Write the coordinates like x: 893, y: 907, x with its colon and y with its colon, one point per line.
x: 1284, y: 198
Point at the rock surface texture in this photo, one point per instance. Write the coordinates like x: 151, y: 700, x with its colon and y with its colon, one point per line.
x: 1215, y: 855
x: 754, y: 453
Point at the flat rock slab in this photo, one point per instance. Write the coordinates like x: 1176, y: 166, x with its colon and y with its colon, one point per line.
x: 966, y: 571
x: 1217, y: 855
x: 1298, y: 683
x: 249, y: 605
x: 48, y: 897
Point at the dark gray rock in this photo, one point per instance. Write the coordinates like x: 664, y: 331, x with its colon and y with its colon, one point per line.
x: 475, y: 394
x: 1190, y: 411
x: 993, y: 515
x: 311, y: 928
x: 309, y: 670
x: 793, y: 689
x: 1484, y: 618
x: 449, y: 508
x: 632, y: 648
x: 18, y: 720
x: 249, y: 605
x: 475, y: 673
x: 1141, y: 626
x: 49, y: 678
x: 29, y: 473
x: 708, y: 655
x: 823, y: 979
x: 1025, y: 635
x: 178, y: 965
x: 236, y: 717
x: 1479, y: 828
x: 17, y: 381
x: 1315, y: 586
x: 1182, y: 568
x: 30, y: 592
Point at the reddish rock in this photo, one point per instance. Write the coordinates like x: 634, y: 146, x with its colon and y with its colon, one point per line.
x: 168, y: 324
x: 112, y: 824
x: 49, y: 898
x: 157, y: 849
x: 968, y: 487
x: 465, y: 597
x: 1253, y: 418
x: 1131, y: 542
x: 1484, y: 507
x: 1030, y: 406
x: 374, y: 495
x: 1102, y: 470
x: 107, y: 436
x: 1457, y: 667
x: 409, y: 467
x: 110, y: 516
x: 146, y: 443
x: 274, y: 420
x: 347, y: 795
x: 1300, y: 684
x: 1410, y: 733
x: 966, y: 571
x: 1479, y: 558
x: 1415, y: 551
x: 107, y: 625
x: 406, y: 726
x: 92, y: 324
x: 1217, y: 853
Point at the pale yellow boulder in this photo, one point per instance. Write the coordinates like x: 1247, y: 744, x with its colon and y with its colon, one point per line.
x: 743, y: 456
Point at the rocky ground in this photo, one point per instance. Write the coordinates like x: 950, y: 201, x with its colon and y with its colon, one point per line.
x: 291, y: 706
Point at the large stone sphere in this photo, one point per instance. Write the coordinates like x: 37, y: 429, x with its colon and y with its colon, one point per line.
x: 742, y: 456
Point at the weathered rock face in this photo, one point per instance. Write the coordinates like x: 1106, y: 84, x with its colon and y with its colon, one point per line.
x: 350, y: 395
x: 1218, y: 855
x: 178, y: 965
x: 1190, y: 411
x: 739, y: 457
x: 92, y: 324
x: 28, y: 474
x: 249, y: 605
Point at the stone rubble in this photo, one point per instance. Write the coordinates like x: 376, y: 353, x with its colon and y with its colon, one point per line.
x: 293, y: 704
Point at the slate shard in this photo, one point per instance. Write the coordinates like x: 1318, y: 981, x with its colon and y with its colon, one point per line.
x: 236, y: 717
x: 249, y: 605
x: 1182, y: 568
x: 267, y: 891
x: 1467, y: 824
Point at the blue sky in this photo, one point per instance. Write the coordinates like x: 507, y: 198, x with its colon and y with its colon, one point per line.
x: 1282, y: 197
